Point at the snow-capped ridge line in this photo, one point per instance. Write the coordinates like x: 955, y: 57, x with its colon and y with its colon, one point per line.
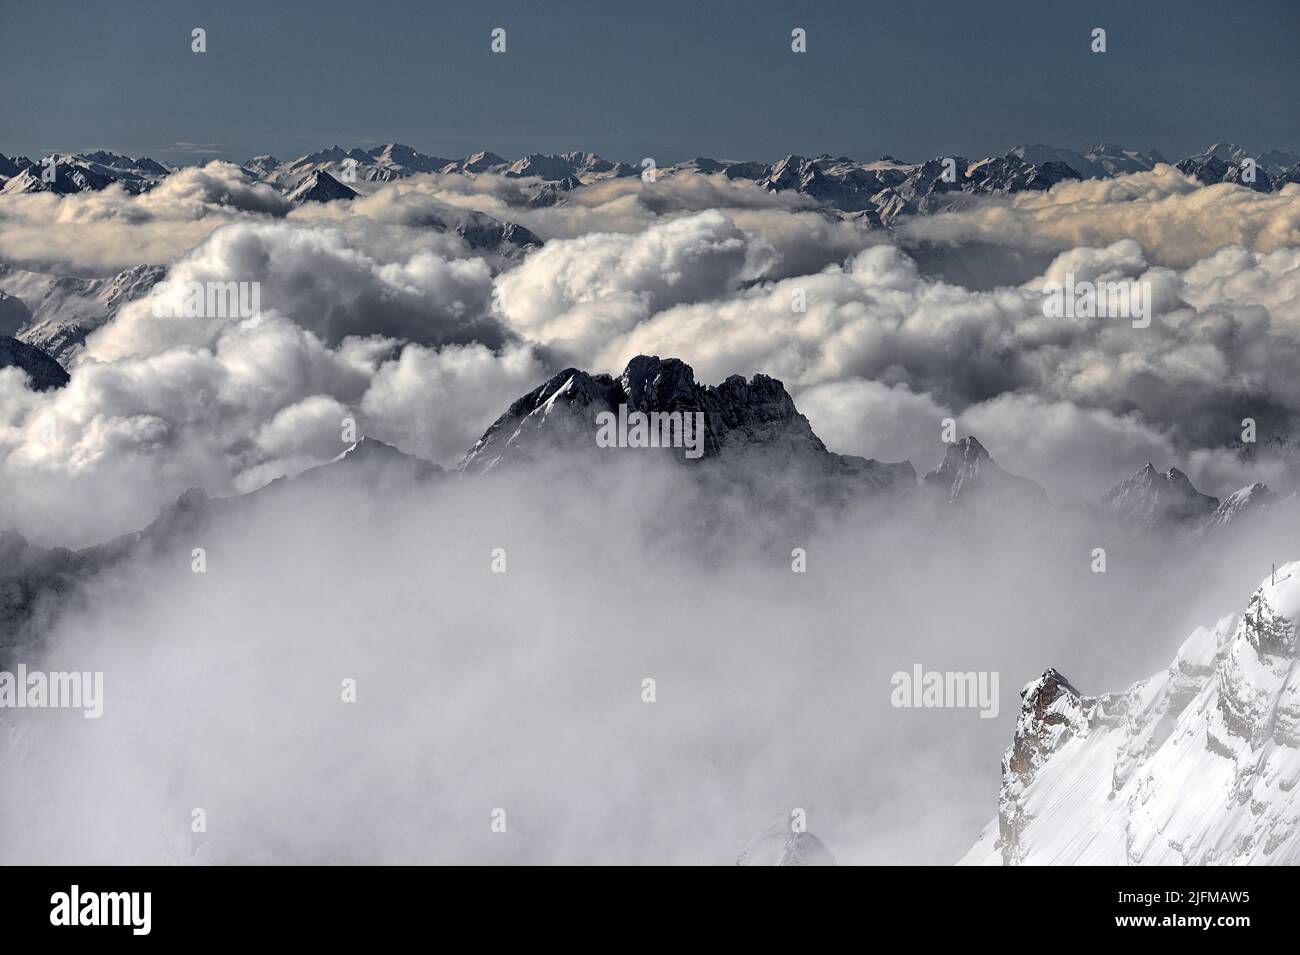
x: 1195, y: 765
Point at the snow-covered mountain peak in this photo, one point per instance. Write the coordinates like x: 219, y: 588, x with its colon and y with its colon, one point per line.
x: 320, y: 186
x: 1225, y: 152
x: 1196, y: 765
x: 481, y: 161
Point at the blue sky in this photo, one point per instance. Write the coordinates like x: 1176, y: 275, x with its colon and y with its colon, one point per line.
x: 666, y: 79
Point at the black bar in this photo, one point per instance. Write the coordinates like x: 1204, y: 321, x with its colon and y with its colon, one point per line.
x: 331, y: 904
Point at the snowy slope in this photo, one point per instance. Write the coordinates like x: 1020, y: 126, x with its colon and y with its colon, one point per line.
x: 1196, y: 765
x: 63, y: 310
x: 1243, y: 504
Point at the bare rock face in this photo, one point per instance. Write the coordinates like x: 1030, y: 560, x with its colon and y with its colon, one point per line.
x: 741, y: 419
x: 1242, y: 506
x: 1197, y: 765
x: 42, y: 371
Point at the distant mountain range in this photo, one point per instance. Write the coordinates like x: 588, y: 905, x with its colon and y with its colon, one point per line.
x: 55, y: 313
x: 879, y: 192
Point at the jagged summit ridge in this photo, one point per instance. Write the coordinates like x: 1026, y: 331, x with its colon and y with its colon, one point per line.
x: 740, y: 417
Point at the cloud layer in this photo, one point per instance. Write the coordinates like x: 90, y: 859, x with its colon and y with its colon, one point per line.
x: 774, y: 687
x: 374, y: 310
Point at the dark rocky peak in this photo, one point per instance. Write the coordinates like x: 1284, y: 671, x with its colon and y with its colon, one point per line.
x: 781, y: 844
x: 1259, y: 180
x: 1207, y: 169
x: 483, y: 232
x: 741, y: 418
x: 653, y: 384
x: 42, y: 371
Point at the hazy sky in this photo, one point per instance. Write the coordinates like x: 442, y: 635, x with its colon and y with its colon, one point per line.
x: 668, y: 79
